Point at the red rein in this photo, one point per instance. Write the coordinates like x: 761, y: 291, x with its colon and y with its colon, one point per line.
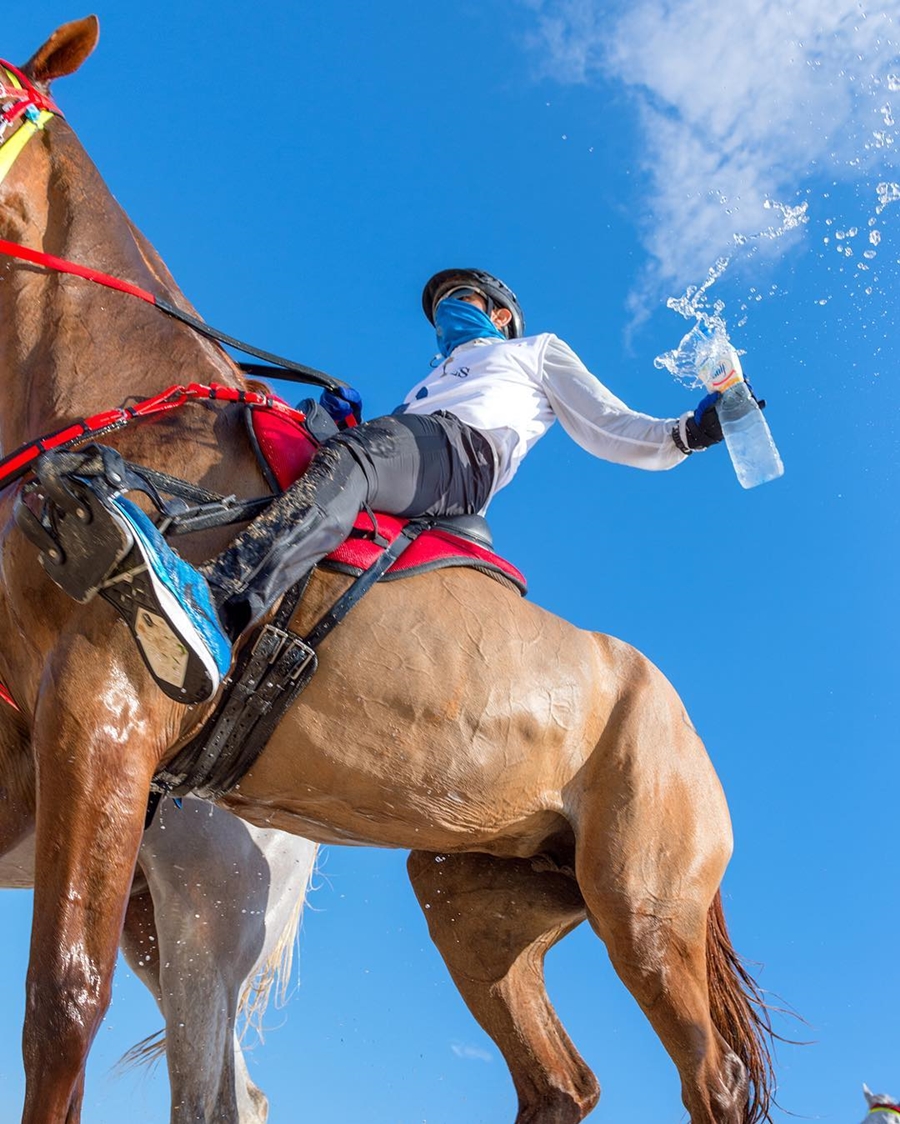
x: 50, y: 261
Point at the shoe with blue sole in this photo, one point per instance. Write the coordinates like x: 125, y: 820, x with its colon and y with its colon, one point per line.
x: 167, y: 606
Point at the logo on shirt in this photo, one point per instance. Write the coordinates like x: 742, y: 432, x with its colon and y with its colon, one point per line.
x: 459, y: 373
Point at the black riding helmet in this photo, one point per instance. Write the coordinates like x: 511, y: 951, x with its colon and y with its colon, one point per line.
x: 497, y: 293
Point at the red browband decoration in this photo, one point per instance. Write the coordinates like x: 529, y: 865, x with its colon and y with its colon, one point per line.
x: 22, y: 98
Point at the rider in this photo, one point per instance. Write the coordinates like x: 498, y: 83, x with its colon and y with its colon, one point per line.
x: 458, y: 438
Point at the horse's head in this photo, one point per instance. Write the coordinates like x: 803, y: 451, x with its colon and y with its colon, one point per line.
x: 26, y: 107
x: 883, y: 1109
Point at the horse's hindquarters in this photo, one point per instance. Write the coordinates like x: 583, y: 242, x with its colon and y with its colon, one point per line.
x: 455, y: 724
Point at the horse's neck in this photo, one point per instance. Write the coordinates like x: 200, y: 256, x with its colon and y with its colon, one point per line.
x: 71, y: 348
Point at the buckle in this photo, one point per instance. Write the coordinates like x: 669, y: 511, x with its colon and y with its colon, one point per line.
x: 270, y: 633
x: 308, y: 656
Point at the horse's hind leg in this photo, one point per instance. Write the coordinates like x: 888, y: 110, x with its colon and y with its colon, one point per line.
x: 493, y: 921
x: 653, y: 840
x: 217, y: 1089
x: 209, y: 923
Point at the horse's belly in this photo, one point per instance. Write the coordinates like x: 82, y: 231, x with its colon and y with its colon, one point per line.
x: 387, y: 826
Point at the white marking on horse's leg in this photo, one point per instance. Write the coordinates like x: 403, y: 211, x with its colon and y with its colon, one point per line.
x: 226, y: 897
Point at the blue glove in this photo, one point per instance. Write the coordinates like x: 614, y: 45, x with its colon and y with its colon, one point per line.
x: 342, y: 404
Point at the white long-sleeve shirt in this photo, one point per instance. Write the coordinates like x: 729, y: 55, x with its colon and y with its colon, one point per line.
x: 513, y: 391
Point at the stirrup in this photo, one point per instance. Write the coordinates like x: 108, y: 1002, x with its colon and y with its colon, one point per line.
x: 93, y: 540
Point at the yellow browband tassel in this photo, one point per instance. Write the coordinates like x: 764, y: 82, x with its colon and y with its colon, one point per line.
x: 11, y: 149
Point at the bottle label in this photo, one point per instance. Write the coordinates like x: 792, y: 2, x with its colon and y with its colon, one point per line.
x: 724, y: 375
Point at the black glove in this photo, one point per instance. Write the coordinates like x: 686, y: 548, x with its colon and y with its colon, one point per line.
x: 702, y: 428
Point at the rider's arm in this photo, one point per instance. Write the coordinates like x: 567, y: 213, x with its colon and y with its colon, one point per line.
x: 599, y: 421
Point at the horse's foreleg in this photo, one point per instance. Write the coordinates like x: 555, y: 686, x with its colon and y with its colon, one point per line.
x: 493, y: 921
x: 94, y: 763
x: 17, y: 789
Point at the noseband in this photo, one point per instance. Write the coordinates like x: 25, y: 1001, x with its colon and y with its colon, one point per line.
x: 23, y: 103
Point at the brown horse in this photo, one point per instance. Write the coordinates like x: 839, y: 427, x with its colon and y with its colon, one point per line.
x: 540, y: 774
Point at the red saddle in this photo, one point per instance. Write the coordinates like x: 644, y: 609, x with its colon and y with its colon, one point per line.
x: 285, y: 449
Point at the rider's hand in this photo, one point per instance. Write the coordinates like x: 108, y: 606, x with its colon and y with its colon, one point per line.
x: 702, y: 428
x: 343, y: 404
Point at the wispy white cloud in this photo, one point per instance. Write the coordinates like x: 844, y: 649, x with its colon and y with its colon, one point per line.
x: 470, y: 1053
x: 738, y: 103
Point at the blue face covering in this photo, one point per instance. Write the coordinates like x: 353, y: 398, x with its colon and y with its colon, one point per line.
x: 457, y: 322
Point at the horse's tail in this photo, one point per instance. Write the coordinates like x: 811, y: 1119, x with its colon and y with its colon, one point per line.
x: 147, y: 1052
x: 276, y: 970
x: 740, y: 1014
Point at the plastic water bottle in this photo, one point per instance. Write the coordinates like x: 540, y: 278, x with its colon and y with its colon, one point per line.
x: 747, y: 438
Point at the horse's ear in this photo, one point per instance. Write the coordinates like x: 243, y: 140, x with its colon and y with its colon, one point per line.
x: 64, y: 51
x: 869, y: 1095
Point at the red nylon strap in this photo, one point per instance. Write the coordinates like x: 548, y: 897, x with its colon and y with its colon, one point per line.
x: 173, y: 398
x: 29, y: 93
x: 38, y: 257
x: 18, y: 463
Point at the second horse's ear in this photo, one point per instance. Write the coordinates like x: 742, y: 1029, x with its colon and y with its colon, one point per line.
x: 64, y: 51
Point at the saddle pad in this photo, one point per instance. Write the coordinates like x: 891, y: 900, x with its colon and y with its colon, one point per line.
x: 286, y: 449
x: 432, y: 550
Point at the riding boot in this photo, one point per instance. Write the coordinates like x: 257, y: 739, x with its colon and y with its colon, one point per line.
x: 302, y: 526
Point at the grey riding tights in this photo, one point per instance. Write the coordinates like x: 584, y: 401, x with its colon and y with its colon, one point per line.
x: 402, y: 464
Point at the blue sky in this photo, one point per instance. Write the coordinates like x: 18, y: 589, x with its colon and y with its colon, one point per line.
x: 303, y: 169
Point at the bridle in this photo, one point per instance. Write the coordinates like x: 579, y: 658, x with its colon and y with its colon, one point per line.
x: 25, y: 104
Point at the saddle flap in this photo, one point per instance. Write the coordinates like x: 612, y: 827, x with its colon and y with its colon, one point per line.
x: 284, y: 447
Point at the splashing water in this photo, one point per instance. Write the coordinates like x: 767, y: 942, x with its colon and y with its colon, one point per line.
x: 698, y: 351
x: 887, y: 193
x: 698, y: 347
